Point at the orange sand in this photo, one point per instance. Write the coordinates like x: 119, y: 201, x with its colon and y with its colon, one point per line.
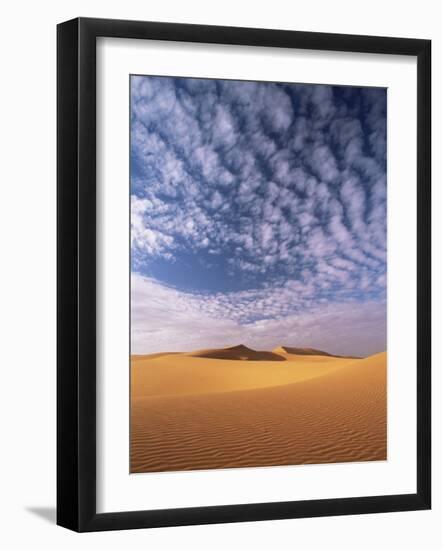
x: 191, y: 411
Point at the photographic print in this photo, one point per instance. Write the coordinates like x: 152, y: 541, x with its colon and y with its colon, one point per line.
x: 258, y: 274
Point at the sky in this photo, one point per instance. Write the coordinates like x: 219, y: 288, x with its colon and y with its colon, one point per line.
x: 258, y: 215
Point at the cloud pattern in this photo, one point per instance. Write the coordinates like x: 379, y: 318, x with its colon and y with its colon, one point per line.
x: 258, y: 205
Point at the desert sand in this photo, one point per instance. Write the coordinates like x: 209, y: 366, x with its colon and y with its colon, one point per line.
x: 238, y: 407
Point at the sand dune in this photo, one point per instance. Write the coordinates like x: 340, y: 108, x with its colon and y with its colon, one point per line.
x: 184, y: 374
x: 190, y: 411
x: 283, y: 350
x: 238, y: 353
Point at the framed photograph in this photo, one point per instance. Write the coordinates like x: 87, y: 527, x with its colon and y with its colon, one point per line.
x: 243, y: 274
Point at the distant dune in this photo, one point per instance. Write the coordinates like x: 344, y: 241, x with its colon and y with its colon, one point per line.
x: 236, y: 407
x: 239, y: 353
x: 308, y: 351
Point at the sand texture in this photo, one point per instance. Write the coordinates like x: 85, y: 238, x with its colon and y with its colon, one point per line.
x: 242, y: 408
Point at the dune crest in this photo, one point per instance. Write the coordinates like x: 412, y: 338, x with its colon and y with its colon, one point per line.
x: 239, y: 353
x: 309, y: 351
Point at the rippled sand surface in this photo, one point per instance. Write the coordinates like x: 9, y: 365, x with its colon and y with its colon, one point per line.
x: 194, y: 411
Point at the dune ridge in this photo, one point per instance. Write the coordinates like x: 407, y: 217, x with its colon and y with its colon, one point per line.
x: 309, y: 351
x: 239, y: 353
x: 190, y: 411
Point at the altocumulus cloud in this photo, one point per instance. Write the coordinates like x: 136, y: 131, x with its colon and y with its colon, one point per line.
x: 258, y: 214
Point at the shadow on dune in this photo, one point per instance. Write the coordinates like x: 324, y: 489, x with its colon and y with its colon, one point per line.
x: 310, y: 351
x: 239, y: 353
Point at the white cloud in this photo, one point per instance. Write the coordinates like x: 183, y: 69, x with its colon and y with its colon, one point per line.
x: 165, y: 319
x: 152, y: 242
x: 285, y: 184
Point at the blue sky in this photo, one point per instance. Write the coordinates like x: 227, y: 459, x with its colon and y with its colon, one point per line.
x: 258, y: 215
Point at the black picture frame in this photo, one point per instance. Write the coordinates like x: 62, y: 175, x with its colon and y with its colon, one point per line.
x: 77, y: 287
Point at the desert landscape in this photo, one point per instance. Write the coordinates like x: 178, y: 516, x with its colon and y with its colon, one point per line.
x: 238, y: 407
x: 258, y: 227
